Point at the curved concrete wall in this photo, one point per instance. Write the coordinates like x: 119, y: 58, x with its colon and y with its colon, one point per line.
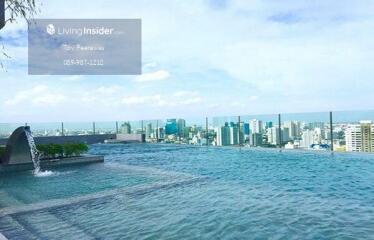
x: 17, y: 149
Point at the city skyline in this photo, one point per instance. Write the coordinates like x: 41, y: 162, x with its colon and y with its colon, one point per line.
x: 294, y: 134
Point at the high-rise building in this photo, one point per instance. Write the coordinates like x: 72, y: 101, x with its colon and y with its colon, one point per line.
x: 285, y: 134
x: 255, y: 126
x: 246, y: 128
x: 255, y: 139
x: 360, y: 137
x: 241, y: 133
x: 126, y: 128
x: 308, y: 138
x: 160, y: 134
x: 223, y: 135
x: 273, y: 135
x: 148, y: 130
x: 234, y: 135
x: 294, y: 129
x: 171, y: 127
x: 268, y: 125
x: 181, y: 124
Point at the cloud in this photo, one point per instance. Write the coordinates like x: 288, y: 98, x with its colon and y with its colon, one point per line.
x: 72, y: 78
x: 253, y: 98
x: 177, y: 99
x: 136, y: 100
x: 39, y: 95
x: 185, y: 93
x: 189, y: 101
x: 153, y: 76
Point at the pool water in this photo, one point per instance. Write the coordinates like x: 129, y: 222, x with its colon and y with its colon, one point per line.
x: 150, y: 191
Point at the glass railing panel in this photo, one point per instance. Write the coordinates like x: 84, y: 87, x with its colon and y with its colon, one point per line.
x: 306, y: 131
x: 46, y: 129
x: 78, y: 128
x: 105, y: 127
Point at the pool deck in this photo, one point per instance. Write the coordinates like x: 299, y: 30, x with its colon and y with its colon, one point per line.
x: 86, y: 159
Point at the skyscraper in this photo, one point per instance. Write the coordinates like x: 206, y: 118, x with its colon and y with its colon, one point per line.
x: 360, y: 137
x: 255, y: 126
x: 234, y: 135
x: 181, y: 124
x: 307, y: 139
x: 148, y: 130
x: 255, y: 139
x: 171, y: 127
x: 268, y: 125
x: 294, y: 129
x: 223, y: 135
x: 246, y: 128
x: 126, y: 128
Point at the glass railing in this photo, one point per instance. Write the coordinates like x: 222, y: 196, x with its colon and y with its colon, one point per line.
x: 348, y: 130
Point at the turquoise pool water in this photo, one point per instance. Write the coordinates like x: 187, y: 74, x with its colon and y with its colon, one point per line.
x: 185, y: 192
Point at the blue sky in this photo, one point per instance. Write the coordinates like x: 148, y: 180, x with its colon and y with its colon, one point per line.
x: 207, y: 57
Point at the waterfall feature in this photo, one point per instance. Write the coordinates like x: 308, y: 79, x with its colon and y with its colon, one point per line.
x: 33, y: 151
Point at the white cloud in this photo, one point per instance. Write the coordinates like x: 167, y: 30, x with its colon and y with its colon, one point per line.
x: 153, y: 76
x: 134, y: 100
x: 72, y: 78
x: 189, y: 101
x: 185, y: 93
x: 39, y: 95
x: 180, y: 98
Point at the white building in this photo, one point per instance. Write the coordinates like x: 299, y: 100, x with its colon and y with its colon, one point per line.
x: 223, y: 136
x: 234, y: 135
x: 294, y: 129
x: 255, y: 126
x: 360, y: 137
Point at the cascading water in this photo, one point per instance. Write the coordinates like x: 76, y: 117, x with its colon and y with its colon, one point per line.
x: 34, y: 152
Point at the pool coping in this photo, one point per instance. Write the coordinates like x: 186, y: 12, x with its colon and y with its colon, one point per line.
x: 86, y: 159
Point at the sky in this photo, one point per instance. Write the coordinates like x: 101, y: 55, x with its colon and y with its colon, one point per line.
x: 205, y: 58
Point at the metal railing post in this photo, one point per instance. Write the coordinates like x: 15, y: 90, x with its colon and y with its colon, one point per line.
x: 331, y: 134
x: 280, y: 131
x: 207, y: 131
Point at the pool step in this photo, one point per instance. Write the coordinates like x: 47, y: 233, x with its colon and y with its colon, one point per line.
x: 11, y: 229
x: 40, y: 225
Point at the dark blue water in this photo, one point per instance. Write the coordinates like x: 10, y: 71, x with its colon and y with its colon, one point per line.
x: 242, y: 194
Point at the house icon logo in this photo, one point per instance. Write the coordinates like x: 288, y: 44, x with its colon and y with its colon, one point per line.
x: 51, y: 29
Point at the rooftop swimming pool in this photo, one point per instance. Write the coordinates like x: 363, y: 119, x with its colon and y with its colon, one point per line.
x: 151, y: 191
